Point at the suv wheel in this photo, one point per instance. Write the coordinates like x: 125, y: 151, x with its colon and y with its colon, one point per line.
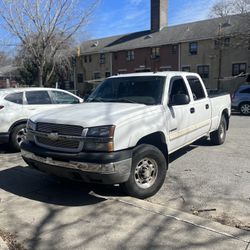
x: 245, y: 108
x: 17, y: 136
x: 148, y: 172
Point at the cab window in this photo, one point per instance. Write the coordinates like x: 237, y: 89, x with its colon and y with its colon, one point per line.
x: 60, y: 97
x: 177, y: 87
x: 38, y: 97
x: 15, y: 98
x: 196, y: 87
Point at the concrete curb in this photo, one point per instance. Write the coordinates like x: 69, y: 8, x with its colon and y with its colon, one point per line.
x: 184, y: 217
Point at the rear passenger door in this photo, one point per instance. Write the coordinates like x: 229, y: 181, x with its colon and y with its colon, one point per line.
x: 37, y: 101
x: 201, y: 110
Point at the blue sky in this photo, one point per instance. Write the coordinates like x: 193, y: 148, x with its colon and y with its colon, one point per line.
x: 113, y: 17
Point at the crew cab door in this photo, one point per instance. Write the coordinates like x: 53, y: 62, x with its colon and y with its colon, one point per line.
x: 178, y: 115
x: 200, y: 108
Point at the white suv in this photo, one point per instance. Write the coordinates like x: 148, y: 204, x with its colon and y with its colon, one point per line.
x: 17, y: 105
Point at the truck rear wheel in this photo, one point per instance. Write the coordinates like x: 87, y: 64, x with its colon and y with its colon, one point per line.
x: 218, y: 137
x: 148, y: 172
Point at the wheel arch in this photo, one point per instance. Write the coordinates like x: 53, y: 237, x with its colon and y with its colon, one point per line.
x: 16, y: 124
x: 158, y: 140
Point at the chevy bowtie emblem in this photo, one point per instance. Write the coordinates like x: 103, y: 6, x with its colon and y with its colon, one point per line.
x: 53, y: 136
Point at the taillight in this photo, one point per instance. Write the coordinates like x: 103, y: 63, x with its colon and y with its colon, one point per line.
x: 1, y: 107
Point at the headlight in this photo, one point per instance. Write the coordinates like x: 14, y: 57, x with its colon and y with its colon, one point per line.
x: 31, y: 125
x: 104, y: 132
x: 100, y: 139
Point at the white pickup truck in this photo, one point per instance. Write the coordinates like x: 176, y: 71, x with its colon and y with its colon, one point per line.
x: 126, y: 130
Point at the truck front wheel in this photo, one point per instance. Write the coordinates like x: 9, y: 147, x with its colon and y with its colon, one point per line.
x: 218, y: 137
x: 148, y: 172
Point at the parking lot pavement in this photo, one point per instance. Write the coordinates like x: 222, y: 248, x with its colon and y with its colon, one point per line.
x: 203, y: 176
x: 42, y: 213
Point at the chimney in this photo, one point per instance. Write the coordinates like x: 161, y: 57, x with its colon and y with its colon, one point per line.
x: 159, y: 14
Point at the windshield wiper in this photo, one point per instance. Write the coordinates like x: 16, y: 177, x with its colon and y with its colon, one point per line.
x: 96, y: 99
x: 126, y: 100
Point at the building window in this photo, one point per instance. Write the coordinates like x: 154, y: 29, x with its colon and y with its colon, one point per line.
x: 174, y: 49
x: 130, y: 55
x: 155, y: 53
x: 219, y: 43
x: 97, y: 75
x: 186, y: 68
x: 107, y: 74
x: 90, y: 58
x: 80, y: 78
x: 193, y: 48
x: 102, y: 58
x: 85, y: 59
x: 203, y: 71
x: 115, y: 56
x: 239, y: 68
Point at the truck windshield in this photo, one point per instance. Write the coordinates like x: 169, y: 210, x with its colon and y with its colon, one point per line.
x: 143, y: 89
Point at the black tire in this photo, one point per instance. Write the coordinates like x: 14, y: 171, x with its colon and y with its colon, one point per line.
x: 218, y: 137
x: 148, y: 172
x: 245, y: 108
x: 17, y: 136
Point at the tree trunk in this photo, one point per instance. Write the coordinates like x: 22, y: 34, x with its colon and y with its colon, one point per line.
x: 40, y: 76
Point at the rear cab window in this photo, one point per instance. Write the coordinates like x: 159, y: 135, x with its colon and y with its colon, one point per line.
x: 196, y: 88
x: 38, y: 97
x: 16, y: 98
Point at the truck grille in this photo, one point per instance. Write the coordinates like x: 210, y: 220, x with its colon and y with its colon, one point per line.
x: 65, y: 144
x: 61, y: 129
x: 62, y: 144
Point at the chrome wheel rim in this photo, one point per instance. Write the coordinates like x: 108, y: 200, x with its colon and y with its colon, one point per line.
x: 146, y: 172
x: 21, y: 136
x: 245, y: 109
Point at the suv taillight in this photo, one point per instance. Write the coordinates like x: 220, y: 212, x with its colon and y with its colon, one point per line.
x: 1, y: 107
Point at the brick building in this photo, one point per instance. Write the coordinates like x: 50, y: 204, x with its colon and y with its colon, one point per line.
x: 209, y: 47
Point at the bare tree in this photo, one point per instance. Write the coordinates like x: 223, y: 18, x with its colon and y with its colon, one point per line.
x: 44, y: 27
x: 223, y: 8
x: 240, y: 37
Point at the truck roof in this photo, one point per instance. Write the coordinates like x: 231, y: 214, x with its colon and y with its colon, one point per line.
x: 161, y: 73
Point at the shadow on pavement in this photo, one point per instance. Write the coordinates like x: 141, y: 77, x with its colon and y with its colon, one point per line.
x: 33, y: 185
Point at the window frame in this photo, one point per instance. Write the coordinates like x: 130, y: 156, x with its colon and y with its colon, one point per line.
x: 155, y: 52
x: 239, y: 71
x: 203, y: 75
x: 190, y: 77
x: 26, y: 99
x: 9, y: 94
x: 130, y: 55
x: 193, y: 51
x: 102, y: 58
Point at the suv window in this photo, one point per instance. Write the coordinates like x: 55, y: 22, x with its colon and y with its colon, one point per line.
x: 196, y: 87
x: 15, y: 98
x: 177, y: 86
x: 37, y: 97
x: 245, y: 91
x: 60, y: 97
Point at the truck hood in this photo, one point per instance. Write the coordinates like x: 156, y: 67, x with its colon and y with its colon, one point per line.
x: 95, y: 114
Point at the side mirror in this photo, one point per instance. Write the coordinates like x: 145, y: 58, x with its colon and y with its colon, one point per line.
x: 180, y: 99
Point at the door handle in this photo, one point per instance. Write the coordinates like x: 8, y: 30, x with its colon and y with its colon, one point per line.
x: 207, y: 106
x: 192, y: 110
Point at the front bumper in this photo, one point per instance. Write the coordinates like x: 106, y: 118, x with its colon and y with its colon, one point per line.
x: 103, y: 168
x: 4, y: 138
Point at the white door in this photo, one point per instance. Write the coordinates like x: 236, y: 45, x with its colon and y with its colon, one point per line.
x: 179, y: 117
